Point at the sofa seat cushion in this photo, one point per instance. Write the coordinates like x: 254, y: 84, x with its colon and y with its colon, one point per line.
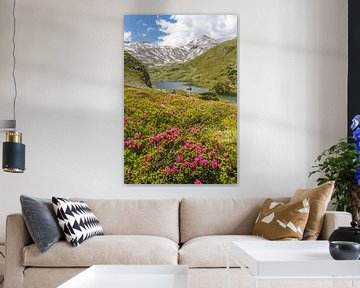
x: 211, y: 251
x: 206, y: 217
x: 158, y: 217
x: 107, y: 249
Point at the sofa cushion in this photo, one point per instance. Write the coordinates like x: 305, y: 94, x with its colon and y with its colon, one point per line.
x: 76, y: 220
x: 201, y: 217
x: 41, y: 221
x: 319, y: 198
x: 211, y: 251
x: 279, y: 221
x: 158, y: 217
x: 107, y: 249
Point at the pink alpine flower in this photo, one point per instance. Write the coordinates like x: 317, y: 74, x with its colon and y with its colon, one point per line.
x: 169, y: 169
x: 199, y: 148
x: 204, y: 162
x: 139, y: 145
x: 137, y: 136
x: 212, y: 154
x: 180, y: 160
x: 129, y: 142
x: 193, y: 165
x: 186, y: 164
x: 197, y: 181
x: 214, y: 163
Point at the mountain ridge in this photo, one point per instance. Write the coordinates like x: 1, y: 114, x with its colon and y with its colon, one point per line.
x: 156, y: 55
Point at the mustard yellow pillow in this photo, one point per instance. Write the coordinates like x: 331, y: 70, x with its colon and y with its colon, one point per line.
x: 319, y: 198
x: 279, y: 221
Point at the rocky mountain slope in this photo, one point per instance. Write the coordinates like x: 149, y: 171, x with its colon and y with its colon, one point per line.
x: 154, y: 55
x: 135, y: 72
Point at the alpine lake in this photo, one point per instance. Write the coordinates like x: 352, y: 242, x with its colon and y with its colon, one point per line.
x: 188, y: 87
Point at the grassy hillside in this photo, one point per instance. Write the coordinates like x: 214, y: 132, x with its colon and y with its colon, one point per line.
x: 213, y: 69
x: 135, y: 72
x: 172, y: 138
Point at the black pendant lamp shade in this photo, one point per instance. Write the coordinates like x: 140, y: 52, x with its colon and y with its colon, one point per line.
x: 13, y: 153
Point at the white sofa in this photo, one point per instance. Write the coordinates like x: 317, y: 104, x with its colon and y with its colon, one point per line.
x: 194, y: 232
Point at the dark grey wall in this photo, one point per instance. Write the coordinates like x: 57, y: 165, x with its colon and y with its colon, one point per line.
x: 354, y: 61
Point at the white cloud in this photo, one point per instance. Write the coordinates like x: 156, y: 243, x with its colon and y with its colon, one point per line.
x: 150, y: 29
x: 140, y: 22
x: 190, y: 27
x: 127, y: 36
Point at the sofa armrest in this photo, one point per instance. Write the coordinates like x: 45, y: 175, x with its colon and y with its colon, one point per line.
x: 333, y: 220
x: 17, y: 237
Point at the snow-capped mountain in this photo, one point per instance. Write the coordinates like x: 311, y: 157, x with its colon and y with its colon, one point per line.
x: 199, y: 46
x: 153, y: 54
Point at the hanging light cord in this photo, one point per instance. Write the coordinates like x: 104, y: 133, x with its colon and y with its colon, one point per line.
x: 14, y: 61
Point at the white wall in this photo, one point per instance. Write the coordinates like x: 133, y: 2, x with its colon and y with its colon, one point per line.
x: 292, y: 63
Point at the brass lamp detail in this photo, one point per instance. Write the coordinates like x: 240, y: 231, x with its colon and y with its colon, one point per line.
x: 13, y: 153
x: 13, y: 136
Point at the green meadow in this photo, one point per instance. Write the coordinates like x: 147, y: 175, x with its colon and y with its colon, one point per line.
x: 177, y: 137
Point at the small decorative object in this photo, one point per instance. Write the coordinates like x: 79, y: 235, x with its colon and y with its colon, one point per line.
x: 341, y: 163
x: 344, y: 233
x: 13, y: 149
x: 344, y: 250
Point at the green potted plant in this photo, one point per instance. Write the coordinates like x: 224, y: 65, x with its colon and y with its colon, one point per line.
x: 341, y: 163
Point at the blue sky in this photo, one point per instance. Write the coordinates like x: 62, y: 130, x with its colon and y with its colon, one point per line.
x: 143, y: 27
x: 177, y: 30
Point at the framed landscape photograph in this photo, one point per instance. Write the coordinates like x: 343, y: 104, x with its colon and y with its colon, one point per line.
x: 180, y: 99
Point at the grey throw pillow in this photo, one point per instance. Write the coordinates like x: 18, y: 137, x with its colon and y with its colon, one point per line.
x: 41, y: 221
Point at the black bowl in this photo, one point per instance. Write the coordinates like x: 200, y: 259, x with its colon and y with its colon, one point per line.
x: 344, y: 250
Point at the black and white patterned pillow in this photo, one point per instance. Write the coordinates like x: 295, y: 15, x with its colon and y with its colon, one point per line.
x: 77, y: 220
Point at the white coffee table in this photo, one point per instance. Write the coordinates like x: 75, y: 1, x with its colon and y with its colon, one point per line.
x: 131, y: 276
x: 285, y: 260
